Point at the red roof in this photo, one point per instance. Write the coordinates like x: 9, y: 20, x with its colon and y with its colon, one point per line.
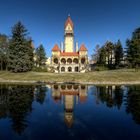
x: 83, y: 48
x: 55, y: 48
x: 69, y: 21
x: 69, y: 54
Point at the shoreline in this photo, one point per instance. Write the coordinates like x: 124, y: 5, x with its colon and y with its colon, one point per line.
x: 2, y: 81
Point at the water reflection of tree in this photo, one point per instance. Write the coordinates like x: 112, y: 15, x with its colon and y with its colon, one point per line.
x: 111, y: 95
x: 41, y: 93
x: 3, y: 101
x: 17, y: 105
x: 133, y: 103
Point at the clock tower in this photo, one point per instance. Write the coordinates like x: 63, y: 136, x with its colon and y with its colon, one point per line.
x: 69, y: 36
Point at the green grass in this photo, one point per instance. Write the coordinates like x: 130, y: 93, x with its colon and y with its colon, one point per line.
x: 125, y: 75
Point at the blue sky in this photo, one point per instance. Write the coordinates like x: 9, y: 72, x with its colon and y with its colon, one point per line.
x: 95, y: 21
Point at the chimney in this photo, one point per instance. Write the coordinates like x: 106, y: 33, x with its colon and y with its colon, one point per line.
x: 62, y: 49
x: 77, y: 47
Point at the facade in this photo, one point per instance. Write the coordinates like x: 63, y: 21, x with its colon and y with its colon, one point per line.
x: 69, y: 57
x: 69, y: 95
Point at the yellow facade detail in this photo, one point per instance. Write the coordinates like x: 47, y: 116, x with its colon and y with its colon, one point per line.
x: 69, y: 44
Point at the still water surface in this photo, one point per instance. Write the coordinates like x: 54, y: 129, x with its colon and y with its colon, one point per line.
x: 69, y: 112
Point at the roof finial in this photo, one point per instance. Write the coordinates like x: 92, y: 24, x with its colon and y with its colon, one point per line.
x: 69, y: 15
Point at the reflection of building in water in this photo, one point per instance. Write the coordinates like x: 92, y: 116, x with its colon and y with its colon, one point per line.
x: 56, y: 93
x: 71, y: 94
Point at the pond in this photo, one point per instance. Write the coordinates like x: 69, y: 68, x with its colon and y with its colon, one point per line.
x: 69, y: 112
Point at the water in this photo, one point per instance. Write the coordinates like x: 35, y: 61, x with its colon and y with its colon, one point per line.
x: 69, y: 112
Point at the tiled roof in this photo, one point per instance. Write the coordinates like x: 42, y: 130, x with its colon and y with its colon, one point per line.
x: 55, y: 48
x: 69, y: 21
x: 83, y: 48
x: 69, y: 53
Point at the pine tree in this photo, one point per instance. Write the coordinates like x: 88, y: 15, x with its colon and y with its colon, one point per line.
x: 20, y: 50
x: 133, y: 49
x: 4, y: 42
x: 102, y: 57
x: 109, y: 47
x: 118, y: 53
x: 41, y: 56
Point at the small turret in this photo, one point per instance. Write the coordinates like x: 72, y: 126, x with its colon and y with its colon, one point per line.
x: 76, y: 47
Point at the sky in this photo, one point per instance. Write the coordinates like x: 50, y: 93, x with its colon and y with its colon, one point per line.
x: 95, y: 21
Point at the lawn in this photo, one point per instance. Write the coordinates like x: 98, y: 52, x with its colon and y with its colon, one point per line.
x: 112, y: 76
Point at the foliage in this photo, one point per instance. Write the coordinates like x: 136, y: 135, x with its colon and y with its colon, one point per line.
x: 118, y: 53
x: 133, y: 49
x: 16, y: 105
x: 40, y: 56
x: 20, y: 50
x: 41, y: 94
x: 4, y: 42
x: 133, y: 103
x: 109, y: 48
x: 102, y: 57
x: 95, y: 56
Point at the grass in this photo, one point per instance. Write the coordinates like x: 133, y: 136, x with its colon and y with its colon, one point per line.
x: 112, y: 76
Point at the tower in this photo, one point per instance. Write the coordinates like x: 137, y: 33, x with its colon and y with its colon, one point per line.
x: 69, y: 36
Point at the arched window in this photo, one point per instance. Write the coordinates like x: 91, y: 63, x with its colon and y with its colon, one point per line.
x: 69, y: 69
x: 69, y: 60
x: 69, y: 87
x: 55, y: 60
x: 63, y: 87
x: 63, y: 61
x: 75, y: 87
x: 83, y: 87
x: 82, y: 60
x: 75, y: 60
x: 62, y: 69
x: 76, y: 69
x: 55, y: 87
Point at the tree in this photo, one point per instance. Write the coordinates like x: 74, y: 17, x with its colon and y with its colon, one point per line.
x: 118, y: 53
x: 3, y: 51
x: 133, y: 49
x: 109, y: 47
x: 20, y: 50
x: 95, y: 55
x: 102, y: 57
x: 41, y: 56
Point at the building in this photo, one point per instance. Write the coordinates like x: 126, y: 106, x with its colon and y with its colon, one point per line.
x: 69, y: 57
x: 69, y: 95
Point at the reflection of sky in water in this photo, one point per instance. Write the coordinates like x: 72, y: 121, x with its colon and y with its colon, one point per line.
x: 70, y: 112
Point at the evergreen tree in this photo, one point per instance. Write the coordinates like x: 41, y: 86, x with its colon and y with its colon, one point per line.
x: 118, y: 53
x: 133, y: 49
x: 20, y: 50
x: 109, y: 47
x: 41, y: 56
x: 102, y: 57
x: 3, y: 51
